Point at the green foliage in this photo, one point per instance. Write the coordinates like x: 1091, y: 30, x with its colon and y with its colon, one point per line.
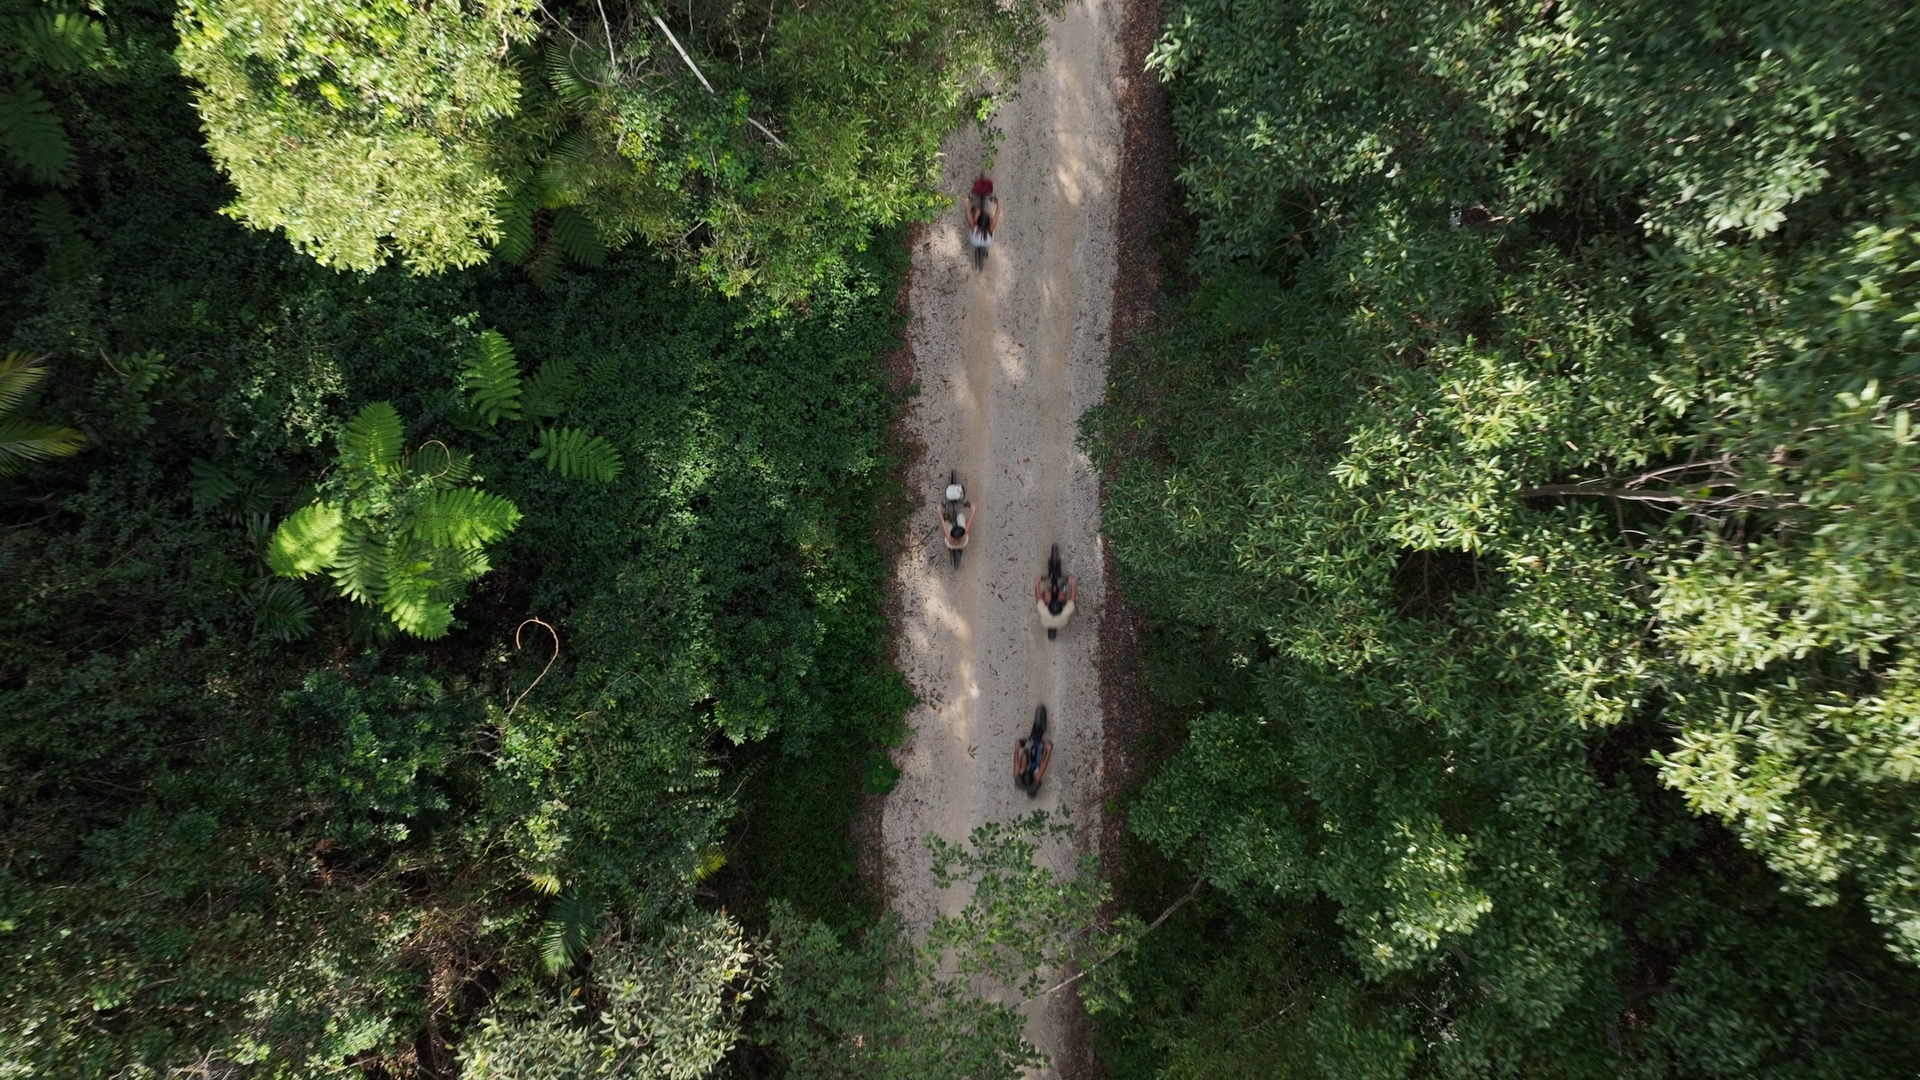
x: 31, y: 134
x: 24, y: 441
x: 880, y: 774
x: 666, y: 1008
x: 1527, y: 477
x: 365, y: 132
x: 577, y: 455
x: 298, y: 841
x: 491, y: 378
x: 398, y: 533
x: 38, y: 43
x: 1023, y: 922
x: 879, y: 1006
x: 569, y: 926
x: 872, y: 1008
x: 359, y: 130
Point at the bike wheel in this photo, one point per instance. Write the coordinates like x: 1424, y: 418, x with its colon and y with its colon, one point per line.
x: 1039, y: 725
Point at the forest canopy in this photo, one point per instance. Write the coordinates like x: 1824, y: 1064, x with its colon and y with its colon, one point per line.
x: 1524, y: 498
x: 759, y: 145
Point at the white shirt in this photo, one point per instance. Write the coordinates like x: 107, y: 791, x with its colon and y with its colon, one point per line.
x: 1051, y: 621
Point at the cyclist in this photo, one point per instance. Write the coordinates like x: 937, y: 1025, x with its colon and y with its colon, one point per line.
x: 983, y: 215
x: 957, y: 529
x: 1055, y: 607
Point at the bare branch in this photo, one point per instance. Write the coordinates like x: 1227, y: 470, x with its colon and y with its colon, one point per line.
x: 1151, y: 927
x: 691, y: 66
x: 768, y: 134
x: 1741, y: 500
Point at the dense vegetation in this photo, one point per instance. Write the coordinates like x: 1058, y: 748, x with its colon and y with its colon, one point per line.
x: 1523, y: 497
x: 407, y: 673
x: 760, y: 144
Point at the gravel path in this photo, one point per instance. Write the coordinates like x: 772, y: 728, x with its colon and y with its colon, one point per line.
x: 1007, y: 359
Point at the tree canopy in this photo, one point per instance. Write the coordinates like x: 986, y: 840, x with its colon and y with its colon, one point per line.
x: 1524, y: 499
x: 757, y: 145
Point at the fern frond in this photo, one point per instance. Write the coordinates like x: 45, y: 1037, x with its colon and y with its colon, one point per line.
x: 371, y: 441
x: 52, y: 219
x: 577, y: 455
x: 544, y: 265
x: 60, y: 40
x: 367, y: 626
x: 408, y: 591
x: 211, y: 485
x: 281, y: 611
x: 556, y: 182
x: 491, y: 378
x: 515, y: 211
x: 568, y: 929
x: 359, y: 565
x: 551, y: 390
x: 445, y: 467
x: 574, y: 235
x: 308, y: 542
x: 462, y: 518
x: 564, y: 73
x: 461, y: 565
x: 30, y: 133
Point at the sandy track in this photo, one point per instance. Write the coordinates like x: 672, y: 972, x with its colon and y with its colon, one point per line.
x: 1007, y: 360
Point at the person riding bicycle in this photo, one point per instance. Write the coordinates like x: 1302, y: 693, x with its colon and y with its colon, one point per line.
x: 1056, y: 607
x: 957, y: 529
x: 983, y: 213
x: 1031, y: 755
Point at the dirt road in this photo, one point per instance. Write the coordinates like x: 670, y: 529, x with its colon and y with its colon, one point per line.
x: 1007, y: 359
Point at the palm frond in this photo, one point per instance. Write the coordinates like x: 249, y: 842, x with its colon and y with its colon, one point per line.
x: 568, y: 930
x: 569, y: 73
x: 281, y: 611
x: 23, y: 442
x: 19, y: 373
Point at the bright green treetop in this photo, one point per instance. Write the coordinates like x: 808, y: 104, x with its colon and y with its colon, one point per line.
x: 363, y: 130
